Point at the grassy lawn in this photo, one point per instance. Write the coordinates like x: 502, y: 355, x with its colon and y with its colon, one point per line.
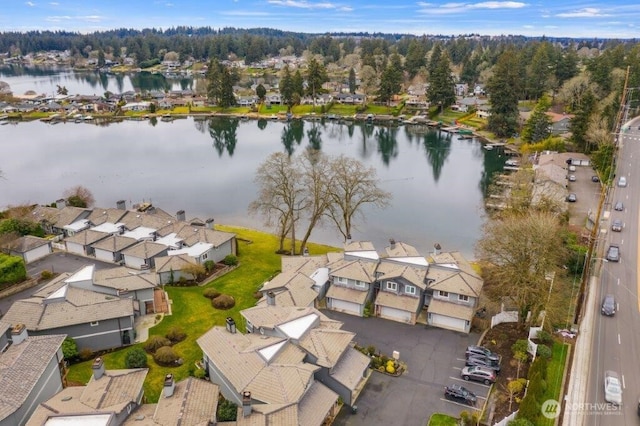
x: 442, y: 420
x: 555, y: 372
x: 194, y: 314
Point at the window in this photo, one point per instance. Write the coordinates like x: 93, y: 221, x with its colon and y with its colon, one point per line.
x: 204, y: 256
x: 341, y: 280
x: 463, y: 298
x: 94, y: 324
x: 360, y: 284
x: 444, y: 294
x: 409, y: 289
x: 392, y: 286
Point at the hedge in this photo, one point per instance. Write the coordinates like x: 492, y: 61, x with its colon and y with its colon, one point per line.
x: 12, y: 269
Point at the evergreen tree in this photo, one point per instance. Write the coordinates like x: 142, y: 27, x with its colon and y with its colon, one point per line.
x: 261, y: 92
x: 352, y: 81
x: 436, y: 54
x: 538, y: 72
x: 297, y: 84
x: 316, y: 77
x: 101, y: 58
x: 416, y: 58
x: 441, y: 89
x: 286, y: 86
x: 220, y: 81
x: 567, y: 65
x: 390, y: 83
x: 537, y: 127
x: 580, y: 121
x: 503, y: 87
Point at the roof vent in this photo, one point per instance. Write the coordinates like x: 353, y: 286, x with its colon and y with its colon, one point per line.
x: 66, y: 398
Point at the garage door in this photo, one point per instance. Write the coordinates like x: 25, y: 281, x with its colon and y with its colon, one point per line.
x: 344, y: 306
x: 395, y: 314
x: 448, y: 322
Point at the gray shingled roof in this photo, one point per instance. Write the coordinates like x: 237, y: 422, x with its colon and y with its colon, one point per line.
x: 87, y: 237
x: 124, y: 278
x: 194, y: 402
x: 26, y: 243
x: 175, y: 263
x: 145, y: 250
x: 79, y: 306
x: 360, y: 270
x: 21, y: 367
x: 115, y: 243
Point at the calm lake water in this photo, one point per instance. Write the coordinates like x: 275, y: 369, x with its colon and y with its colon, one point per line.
x: 207, y: 168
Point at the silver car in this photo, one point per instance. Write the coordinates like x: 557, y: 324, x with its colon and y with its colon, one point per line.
x: 612, y: 388
x: 616, y: 225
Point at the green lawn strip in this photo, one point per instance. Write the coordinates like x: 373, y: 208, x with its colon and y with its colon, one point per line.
x: 555, y: 373
x: 193, y: 313
x: 438, y: 419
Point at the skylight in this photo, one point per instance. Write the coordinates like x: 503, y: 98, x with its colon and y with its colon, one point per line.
x: 296, y: 328
x: 270, y: 351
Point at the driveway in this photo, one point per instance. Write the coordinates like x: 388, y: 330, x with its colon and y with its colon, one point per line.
x: 433, y: 357
x: 57, y: 262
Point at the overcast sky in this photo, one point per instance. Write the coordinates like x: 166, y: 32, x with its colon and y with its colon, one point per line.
x: 566, y: 18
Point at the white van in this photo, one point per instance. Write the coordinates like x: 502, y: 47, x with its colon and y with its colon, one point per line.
x: 572, y: 168
x: 622, y: 182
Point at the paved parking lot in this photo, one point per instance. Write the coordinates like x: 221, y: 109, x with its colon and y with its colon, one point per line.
x: 434, y: 358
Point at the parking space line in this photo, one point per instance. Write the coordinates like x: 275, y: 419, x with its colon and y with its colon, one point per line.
x: 468, y: 381
x: 461, y: 404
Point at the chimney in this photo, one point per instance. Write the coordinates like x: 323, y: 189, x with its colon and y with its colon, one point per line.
x: 271, y: 298
x: 18, y: 334
x: 181, y: 216
x: 169, y: 385
x: 246, y: 404
x: 61, y: 203
x: 392, y: 242
x: 98, y: 368
x: 121, y: 205
x: 120, y: 229
x: 231, y: 325
x: 436, y: 249
x: 209, y: 223
x: 151, y: 210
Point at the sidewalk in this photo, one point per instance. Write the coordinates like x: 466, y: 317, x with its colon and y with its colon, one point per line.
x: 576, y: 392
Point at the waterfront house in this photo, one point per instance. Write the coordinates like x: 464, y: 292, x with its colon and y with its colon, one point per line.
x: 453, y: 290
x: 31, y: 371
x: 110, y: 249
x: 142, y: 255
x: 29, y: 248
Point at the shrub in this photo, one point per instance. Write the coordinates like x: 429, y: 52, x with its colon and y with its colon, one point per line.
x: 210, y: 293
x: 223, y: 302
x: 230, y: 260
x: 391, y: 369
x: 199, y: 373
x: 85, y: 354
x: 165, y: 356
x: 544, y: 337
x: 135, y: 358
x: 69, y: 348
x: 12, y: 269
x: 209, y: 265
x: 46, y: 275
x: 227, y: 411
x: 371, y: 350
x: 176, y: 334
x: 539, y: 366
x: 544, y: 351
x: 156, y: 342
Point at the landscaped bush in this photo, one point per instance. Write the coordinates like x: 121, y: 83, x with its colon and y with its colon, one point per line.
x: 209, y: 265
x: 135, y: 358
x: 227, y: 411
x: 165, y: 356
x: 85, y: 354
x: 69, y: 348
x: 176, y: 334
x: 12, y: 269
x: 223, y: 302
x: 210, y: 293
x: 156, y: 342
x: 46, y: 275
x: 230, y: 260
x: 544, y: 337
x: 544, y: 351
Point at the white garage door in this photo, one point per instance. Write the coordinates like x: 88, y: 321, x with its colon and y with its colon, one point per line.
x: 395, y: 314
x: 448, y: 322
x: 75, y: 248
x: 37, y: 253
x: 344, y: 306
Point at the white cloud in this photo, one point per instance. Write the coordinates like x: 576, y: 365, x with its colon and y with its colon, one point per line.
x: 30, y: 3
x: 449, y: 8
x: 303, y: 4
x: 498, y: 5
x: 54, y: 3
x: 243, y: 13
x: 587, y: 12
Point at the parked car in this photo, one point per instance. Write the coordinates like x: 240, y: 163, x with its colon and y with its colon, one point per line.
x: 595, y: 178
x: 608, y: 305
x: 622, y: 182
x: 572, y: 198
x: 616, y: 225
x: 478, y: 374
x: 572, y: 178
x: 613, y: 253
x: 612, y: 388
x: 482, y: 361
x: 460, y: 394
x: 475, y: 350
x: 618, y: 206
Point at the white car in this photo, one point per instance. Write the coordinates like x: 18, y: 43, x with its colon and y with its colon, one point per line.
x: 612, y: 388
x: 622, y: 182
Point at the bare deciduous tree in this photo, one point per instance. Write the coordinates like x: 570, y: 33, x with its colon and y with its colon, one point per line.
x: 353, y: 186
x: 518, y: 252
x: 78, y: 194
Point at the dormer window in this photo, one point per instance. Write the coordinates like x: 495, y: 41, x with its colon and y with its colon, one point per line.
x: 409, y: 289
x: 391, y: 286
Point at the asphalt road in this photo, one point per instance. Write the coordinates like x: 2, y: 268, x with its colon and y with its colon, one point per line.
x: 616, y: 340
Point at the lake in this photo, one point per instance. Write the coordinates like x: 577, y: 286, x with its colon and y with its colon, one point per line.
x: 206, y: 167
